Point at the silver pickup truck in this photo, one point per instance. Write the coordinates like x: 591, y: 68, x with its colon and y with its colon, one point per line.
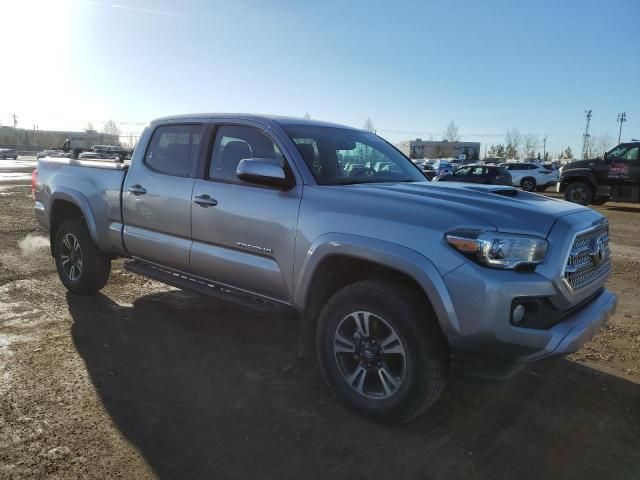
x: 395, y: 278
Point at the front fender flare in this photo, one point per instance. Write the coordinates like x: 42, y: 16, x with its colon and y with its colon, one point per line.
x: 387, y: 254
x: 579, y: 173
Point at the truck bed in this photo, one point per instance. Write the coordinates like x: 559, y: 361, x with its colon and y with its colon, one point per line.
x: 93, y: 185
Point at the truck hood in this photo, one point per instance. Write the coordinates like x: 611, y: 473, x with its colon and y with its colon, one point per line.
x: 506, y: 208
x: 580, y: 164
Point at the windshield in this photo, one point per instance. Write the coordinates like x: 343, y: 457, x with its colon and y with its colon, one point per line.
x: 341, y: 156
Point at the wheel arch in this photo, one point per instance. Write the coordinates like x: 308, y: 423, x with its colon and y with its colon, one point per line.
x: 585, y: 176
x: 528, y: 177
x: 360, y: 258
x: 69, y: 203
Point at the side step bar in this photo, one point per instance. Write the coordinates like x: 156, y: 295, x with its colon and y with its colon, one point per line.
x: 206, y: 287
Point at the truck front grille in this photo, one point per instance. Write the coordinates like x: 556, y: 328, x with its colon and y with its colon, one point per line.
x: 589, y: 259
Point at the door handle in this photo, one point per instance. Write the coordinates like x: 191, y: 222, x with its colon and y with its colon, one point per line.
x: 205, y: 201
x: 137, y: 189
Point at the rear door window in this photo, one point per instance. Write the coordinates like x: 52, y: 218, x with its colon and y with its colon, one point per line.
x: 173, y: 149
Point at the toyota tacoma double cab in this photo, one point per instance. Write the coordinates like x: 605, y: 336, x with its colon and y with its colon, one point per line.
x: 615, y: 177
x: 395, y: 279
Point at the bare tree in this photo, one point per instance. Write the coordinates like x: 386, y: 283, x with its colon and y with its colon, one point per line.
x: 512, y: 139
x: 567, y: 154
x: 369, y: 125
x: 111, y: 128
x: 531, y: 142
x: 89, y: 127
x: 603, y: 144
x: 451, y: 133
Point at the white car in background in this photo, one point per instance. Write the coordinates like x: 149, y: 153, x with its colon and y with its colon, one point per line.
x: 531, y: 176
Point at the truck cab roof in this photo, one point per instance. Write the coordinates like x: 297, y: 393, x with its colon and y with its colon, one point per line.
x: 265, y: 119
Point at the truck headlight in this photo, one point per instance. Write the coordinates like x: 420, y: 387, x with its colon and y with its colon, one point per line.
x: 499, y: 250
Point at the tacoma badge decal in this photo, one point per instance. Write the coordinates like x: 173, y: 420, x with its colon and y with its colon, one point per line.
x: 254, y: 247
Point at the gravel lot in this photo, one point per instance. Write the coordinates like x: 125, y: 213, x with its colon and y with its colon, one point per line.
x: 146, y: 381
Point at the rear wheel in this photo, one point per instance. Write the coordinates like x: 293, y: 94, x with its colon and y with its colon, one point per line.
x: 380, y: 353
x: 528, y: 184
x: 578, y: 192
x: 82, y: 267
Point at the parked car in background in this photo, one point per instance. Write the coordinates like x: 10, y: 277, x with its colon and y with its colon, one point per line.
x: 429, y: 170
x: 442, y: 168
x: 111, y: 151
x: 531, y: 176
x: 485, y: 174
x: 8, y: 153
x: 51, y: 153
x: 97, y: 156
x: 426, y: 167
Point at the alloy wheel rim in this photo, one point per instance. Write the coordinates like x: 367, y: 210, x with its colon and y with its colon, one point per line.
x: 71, y: 257
x: 370, y: 355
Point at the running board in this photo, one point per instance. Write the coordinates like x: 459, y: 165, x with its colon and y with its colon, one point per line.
x: 205, y: 287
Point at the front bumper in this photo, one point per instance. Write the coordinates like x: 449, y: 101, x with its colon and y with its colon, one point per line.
x: 569, y: 335
x: 483, y: 299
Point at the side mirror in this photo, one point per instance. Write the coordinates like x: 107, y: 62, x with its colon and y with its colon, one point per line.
x: 263, y: 171
x: 606, y: 156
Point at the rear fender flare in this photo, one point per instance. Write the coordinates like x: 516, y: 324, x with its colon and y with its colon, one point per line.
x: 79, y: 200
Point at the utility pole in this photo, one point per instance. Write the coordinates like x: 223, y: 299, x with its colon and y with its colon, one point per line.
x: 15, y: 120
x: 544, y: 148
x: 622, y: 117
x: 585, y: 138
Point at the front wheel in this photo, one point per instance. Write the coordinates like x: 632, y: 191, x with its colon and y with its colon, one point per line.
x: 380, y: 352
x: 82, y: 267
x: 578, y: 192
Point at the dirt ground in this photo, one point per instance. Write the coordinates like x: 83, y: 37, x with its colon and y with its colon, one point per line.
x: 146, y: 381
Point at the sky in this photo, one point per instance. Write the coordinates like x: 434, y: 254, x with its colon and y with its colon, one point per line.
x: 410, y: 66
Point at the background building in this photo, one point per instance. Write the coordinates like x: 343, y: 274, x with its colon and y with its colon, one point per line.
x: 419, y: 148
x: 26, y: 140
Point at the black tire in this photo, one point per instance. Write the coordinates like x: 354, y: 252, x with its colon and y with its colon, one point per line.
x: 94, y: 267
x: 540, y: 189
x: 528, y: 184
x: 578, y: 192
x: 422, y: 369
